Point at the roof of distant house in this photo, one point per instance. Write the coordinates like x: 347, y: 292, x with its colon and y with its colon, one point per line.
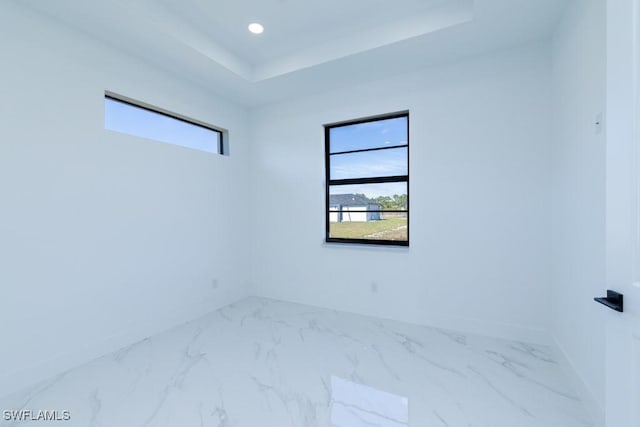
x: 349, y: 200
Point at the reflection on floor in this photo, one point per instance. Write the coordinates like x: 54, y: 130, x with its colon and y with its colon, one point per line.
x: 265, y: 363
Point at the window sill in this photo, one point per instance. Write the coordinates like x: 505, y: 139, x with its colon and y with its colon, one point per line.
x: 371, y: 246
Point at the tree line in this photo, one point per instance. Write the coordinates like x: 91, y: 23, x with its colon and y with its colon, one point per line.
x: 397, y: 201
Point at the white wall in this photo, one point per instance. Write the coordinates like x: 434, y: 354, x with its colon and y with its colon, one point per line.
x: 578, y: 227
x: 104, y: 238
x: 480, y: 162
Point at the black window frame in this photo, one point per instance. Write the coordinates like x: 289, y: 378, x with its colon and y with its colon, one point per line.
x: 369, y: 180
x: 137, y: 104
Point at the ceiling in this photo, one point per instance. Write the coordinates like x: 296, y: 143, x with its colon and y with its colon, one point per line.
x: 308, y: 45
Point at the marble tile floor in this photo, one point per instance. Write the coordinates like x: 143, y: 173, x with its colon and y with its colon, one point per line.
x: 266, y: 363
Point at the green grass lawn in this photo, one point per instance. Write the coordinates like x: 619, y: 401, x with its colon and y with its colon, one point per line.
x: 390, y: 229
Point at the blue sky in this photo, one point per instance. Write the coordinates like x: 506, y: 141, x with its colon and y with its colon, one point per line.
x: 125, y: 118
x: 382, y: 133
x: 369, y: 164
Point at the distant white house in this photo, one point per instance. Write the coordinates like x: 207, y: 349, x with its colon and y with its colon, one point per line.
x: 342, y: 207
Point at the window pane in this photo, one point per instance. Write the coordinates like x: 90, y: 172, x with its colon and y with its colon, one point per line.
x: 388, y: 196
x: 365, y: 154
x: 379, y: 133
x: 369, y: 164
x: 130, y: 119
x: 390, y: 226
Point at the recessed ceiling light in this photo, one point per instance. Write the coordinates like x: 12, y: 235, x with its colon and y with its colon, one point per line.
x: 256, y: 28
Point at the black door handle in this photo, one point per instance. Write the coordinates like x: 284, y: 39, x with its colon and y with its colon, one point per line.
x: 614, y: 301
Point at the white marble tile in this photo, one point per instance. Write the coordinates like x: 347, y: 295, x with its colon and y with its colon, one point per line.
x: 273, y: 364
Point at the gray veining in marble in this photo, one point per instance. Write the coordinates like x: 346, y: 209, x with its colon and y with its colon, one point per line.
x: 274, y: 364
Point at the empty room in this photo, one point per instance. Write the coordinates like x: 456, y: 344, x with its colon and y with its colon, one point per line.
x: 305, y: 213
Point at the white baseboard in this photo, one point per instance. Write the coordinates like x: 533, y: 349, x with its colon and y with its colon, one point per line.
x: 593, y: 406
x: 88, y: 351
